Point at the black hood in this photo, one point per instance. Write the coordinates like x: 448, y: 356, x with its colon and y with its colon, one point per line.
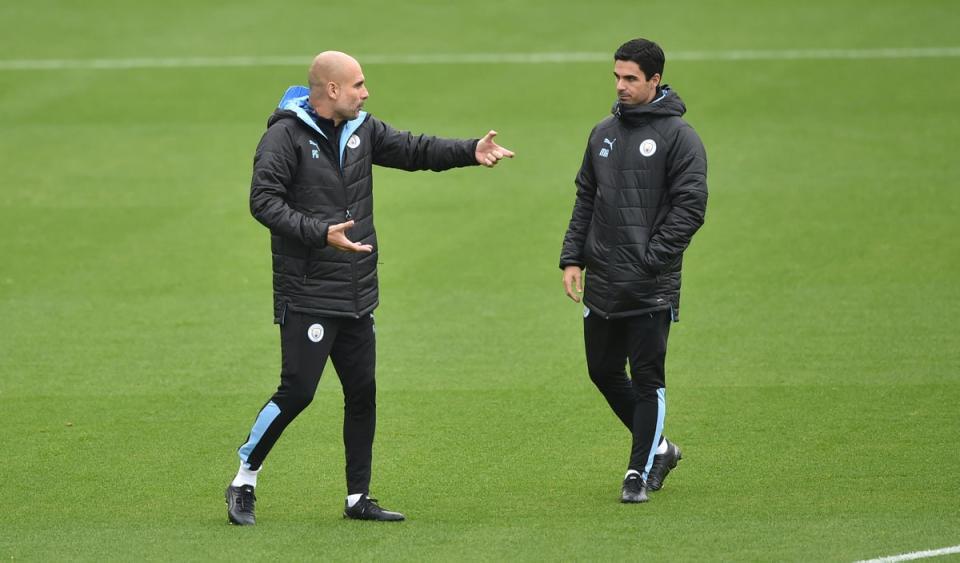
x: 665, y: 103
x: 279, y: 114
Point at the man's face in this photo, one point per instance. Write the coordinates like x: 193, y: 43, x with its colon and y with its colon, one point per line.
x: 352, y: 92
x: 632, y: 85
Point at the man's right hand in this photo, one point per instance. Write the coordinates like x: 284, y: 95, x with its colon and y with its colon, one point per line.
x: 337, y: 238
x: 573, y: 282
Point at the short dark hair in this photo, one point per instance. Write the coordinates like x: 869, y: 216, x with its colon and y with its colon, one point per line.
x: 647, y: 54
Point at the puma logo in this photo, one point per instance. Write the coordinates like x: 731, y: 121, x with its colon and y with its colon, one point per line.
x: 605, y: 152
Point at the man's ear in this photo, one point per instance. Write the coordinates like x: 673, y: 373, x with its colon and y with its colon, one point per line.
x: 333, y: 90
x: 655, y: 79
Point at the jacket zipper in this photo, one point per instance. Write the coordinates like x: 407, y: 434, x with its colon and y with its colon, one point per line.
x: 353, y: 274
x: 336, y: 159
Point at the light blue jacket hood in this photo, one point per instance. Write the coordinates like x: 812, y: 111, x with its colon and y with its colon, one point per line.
x: 296, y: 99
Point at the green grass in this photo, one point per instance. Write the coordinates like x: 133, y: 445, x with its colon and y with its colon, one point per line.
x: 813, y: 381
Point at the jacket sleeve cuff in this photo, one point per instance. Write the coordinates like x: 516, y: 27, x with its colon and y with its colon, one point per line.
x: 473, y: 152
x: 317, y: 236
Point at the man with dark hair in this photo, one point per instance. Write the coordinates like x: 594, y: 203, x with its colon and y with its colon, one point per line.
x: 647, y: 54
x: 641, y: 196
x: 312, y: 183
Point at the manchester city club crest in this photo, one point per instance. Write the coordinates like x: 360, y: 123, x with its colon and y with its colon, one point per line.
x: 648, y: 147
x: 315, y: 332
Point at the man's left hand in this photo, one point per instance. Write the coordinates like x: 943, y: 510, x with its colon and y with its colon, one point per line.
x: 490, y: 153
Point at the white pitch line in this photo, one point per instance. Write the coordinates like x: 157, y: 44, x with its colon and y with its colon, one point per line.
x: 914, y: 555
x: 477, y: 58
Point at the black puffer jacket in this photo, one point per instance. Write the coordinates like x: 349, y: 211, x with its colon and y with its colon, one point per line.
x: 641, y: 195
x: 302, y: 184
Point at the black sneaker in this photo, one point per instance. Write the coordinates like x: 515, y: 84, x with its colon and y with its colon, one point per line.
x: 240, y: 501
x: 662, y: 464
x: 367, y: 509
x: 634, y: 489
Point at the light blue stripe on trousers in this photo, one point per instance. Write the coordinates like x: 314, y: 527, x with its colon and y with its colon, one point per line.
x: 661, y: 414
x: 264, y: 419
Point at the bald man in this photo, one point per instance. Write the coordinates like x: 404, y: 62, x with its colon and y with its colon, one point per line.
x: 313, y: 188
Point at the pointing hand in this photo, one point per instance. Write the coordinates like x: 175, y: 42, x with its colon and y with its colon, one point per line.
x: 489, y: 153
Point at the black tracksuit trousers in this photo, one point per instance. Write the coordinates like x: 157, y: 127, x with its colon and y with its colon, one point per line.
x: 639, y: 401
x: 306, y: 341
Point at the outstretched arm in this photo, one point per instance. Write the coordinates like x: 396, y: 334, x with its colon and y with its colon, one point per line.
x: 403, y: 150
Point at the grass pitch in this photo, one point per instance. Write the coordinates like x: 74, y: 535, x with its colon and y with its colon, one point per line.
x: 813, y: 381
